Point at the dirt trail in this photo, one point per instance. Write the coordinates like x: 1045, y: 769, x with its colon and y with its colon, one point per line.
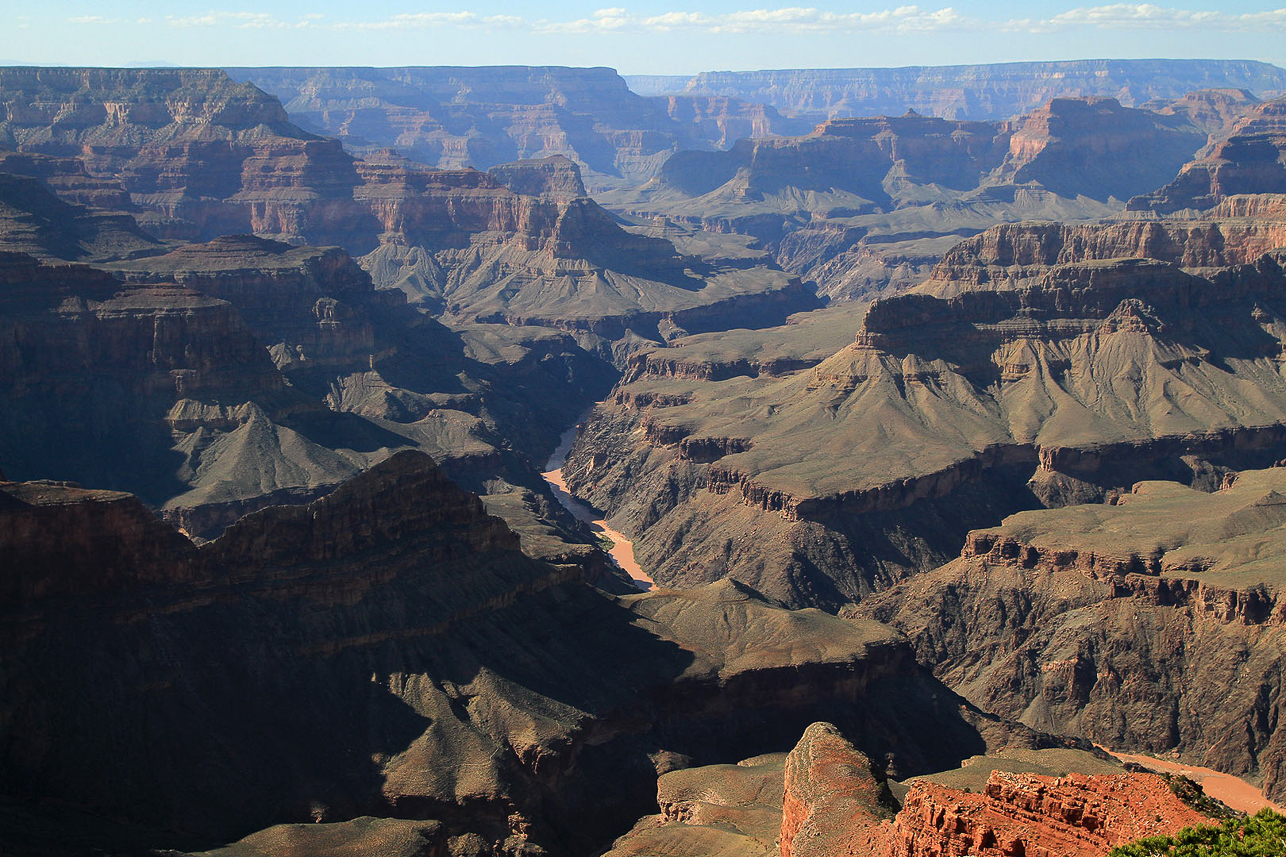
x: 622, y: 552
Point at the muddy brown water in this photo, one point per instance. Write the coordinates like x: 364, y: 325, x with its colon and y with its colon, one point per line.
x: 622, y: 551
x: 1234, y: 791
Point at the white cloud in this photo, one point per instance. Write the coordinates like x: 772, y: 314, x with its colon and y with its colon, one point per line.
x: 240, y: 20
x: 787, y: 19
x: 1147, y: 16
x: 412, y: 21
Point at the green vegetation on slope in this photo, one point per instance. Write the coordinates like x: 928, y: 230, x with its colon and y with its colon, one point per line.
x: 1261, y: 835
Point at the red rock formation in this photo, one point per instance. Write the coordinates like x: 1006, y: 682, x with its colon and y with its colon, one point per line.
x: 1096, y: 147
x: 310, y: 307
x: 832, y: 802
x: 1029, y: 815
x: 1214, y: 111
x: 204, y: 155
x: 555, y: 176
x: 1236, y: 233
x: 1251, y: 160
x: 848, y: 154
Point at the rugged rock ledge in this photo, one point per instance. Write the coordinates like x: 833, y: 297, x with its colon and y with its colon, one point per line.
x: 1154, y: 623
x: 1038, y: 816
x: 1248, y: 160
x: 825, y: 798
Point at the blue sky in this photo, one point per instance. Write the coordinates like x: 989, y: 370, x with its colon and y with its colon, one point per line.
x: 652, y: 37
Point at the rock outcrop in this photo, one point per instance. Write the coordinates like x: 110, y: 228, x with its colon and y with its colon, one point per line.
x: 310, y: 307
x: 388, y: 651
x: 1096, y: 147
x: 91, y: 368
x: 1214, y: 111
x: 1154, y: 623
x: 1038, y: 816
x: 34, y: 220
x: 201, y: 153
x: 823, y: 799
x: 1250, y: 159
x: 832, y: 802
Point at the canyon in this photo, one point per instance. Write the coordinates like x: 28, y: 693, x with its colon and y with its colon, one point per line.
x: 505, y: 461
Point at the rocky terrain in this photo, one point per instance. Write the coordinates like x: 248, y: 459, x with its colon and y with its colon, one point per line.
x: 388, y: 651
x: 977, y: 92
x: 199, y: 155
x: 862, y: 205
x: 223, y: 377
x: 504, y: 259
x: 1152, y: 622
x: 279, y: 377
x: 826, y: 798
x: 479, y: 117
x: 1039, y: 365
x: 1247, y: 159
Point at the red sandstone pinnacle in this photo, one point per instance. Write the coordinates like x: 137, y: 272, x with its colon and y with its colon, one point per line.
x: 832, y: 802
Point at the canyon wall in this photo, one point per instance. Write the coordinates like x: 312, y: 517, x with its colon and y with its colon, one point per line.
x: 1151, y: 623
x: 995, y: 91
x: 1012, y: 378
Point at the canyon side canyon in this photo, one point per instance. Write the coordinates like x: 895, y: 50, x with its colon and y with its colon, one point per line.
x: 941, y: 411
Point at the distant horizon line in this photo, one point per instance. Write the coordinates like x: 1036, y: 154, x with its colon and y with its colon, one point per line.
x: 159, y: 64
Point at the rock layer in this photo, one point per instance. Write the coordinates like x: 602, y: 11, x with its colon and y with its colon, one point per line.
x: 873, y: 201
x: 1041, y: 364
x: 1151, y: 624
x: 983, y: 92
x: 1250, y: 159
x: 455, y: 117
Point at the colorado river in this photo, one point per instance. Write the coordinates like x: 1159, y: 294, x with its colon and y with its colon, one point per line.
x: 1235, y: 792
x: 622, y: 551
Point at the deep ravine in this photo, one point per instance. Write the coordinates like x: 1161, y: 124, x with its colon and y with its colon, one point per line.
x: 622, y: 550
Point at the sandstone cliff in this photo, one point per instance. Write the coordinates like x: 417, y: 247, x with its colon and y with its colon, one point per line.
x: 864, y: 204
x: 1096, y: 147
x: 823, y: 798
x: 34, y: 220
x: 1250, y: 159
x: 1037, y: 815
x: 201, y: 156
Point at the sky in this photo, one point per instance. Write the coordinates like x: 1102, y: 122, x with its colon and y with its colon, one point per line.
x: 650, y: 37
